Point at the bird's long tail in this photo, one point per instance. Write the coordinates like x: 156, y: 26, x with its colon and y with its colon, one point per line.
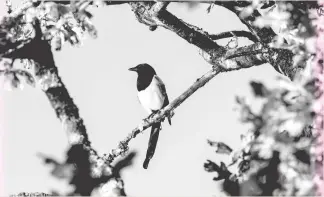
x: 155, y: 131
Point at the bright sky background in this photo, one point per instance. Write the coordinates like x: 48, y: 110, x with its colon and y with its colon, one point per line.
x: 97, y: 78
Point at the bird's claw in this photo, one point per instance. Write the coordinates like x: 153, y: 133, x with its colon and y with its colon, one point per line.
x: 152, y: 114
x: 171, y: 114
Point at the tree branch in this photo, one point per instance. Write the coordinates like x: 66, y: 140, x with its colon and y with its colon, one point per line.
x: 265, y: 34
x: 158, y: 6
x: 166, y: 111
x: 210, y: 50
x: 47, y: 76
x: 159, y: 116
x: 229, y: 34
x: 280, y: 59
x: 91, y: 2
x: 48, y: 79
x: 14, y: 19
x: 190, y: 33
x: 155, y: 14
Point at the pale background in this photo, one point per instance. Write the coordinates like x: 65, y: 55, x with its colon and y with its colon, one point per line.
x: 97, y: 78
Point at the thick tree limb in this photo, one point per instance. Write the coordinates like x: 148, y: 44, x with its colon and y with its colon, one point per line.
x: 46, y: 74
x: 48, y: 79
x: 229, y: 34
x: 201, y: 39
x: 280, y: 59
x: 210, y: 50
x: 154, y: 14
x: 192, y: 34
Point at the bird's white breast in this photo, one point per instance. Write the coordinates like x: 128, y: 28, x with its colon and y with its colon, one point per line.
x: 151, y: 98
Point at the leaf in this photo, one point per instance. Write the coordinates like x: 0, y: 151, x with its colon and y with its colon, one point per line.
x: 27, y: 76
x: 90, y: 28
x: 27, y: 63
x: 47, y: 160
x: 283, y: 137
x: 210, y: 166
x: 218, y: 178
x: 88, y: 14
x: 221, y: 147
x: 303, y: 156
x: 244, y: 166
x: 63, y: 171
x: 267, y: 5
x: 235, y: 156
x: 14, y: 80
x: 58, y: 43
x: 259, y: 89
x: 246, y: 12
x: 239, y: 100
x: 223, y: 166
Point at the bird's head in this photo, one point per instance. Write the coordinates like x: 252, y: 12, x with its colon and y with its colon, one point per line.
x: 143, y: 70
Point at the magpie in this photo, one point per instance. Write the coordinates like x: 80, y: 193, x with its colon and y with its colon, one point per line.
x: 153, y: 97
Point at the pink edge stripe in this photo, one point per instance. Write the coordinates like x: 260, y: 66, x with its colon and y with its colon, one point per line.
x: 318, y: 71
x: 2, y: 193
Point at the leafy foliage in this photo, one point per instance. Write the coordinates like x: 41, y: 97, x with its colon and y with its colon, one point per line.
x: 14, y: 76
x: 277, y: 155
x: 59, y: 23
x: 86, y: 177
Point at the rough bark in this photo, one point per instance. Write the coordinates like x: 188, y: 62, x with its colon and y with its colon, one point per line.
x: 152, y: 14
x: 229, y: 34
x: 280, y: 59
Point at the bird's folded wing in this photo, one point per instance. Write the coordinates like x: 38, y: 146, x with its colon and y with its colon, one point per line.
x: 161, y: 86
x: 165, y: 95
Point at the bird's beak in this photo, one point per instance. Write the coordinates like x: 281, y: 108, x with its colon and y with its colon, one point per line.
x: 133, y: 69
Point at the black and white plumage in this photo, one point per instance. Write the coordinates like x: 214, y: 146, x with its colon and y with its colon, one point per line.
x: 153, y: 97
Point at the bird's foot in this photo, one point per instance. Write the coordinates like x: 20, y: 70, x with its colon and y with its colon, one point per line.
x: 171, y: 114
x: 152, y: 114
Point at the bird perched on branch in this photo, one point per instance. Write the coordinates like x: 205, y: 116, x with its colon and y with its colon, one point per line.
x: 153, y: 97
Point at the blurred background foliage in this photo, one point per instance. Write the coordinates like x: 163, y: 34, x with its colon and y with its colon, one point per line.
x: 278, y: 154
x: 282, y: 151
